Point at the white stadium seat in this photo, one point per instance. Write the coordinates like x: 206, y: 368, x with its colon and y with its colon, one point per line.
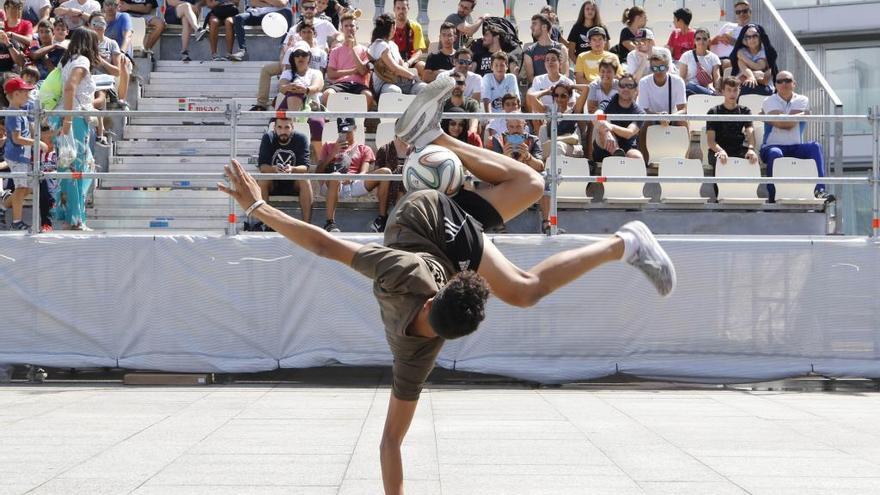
x: 614, y: 29
x: 567, y: 10
x: 572, y: 191
x: 734, y: 192
x: 394, y: 102
x: 671, y: 141
x: 660, y: 9
x: 755, y: 103
x: 700, y: 104
x: 345, y: 102
x: 494, y: 8
x: 704, y: 11
x: 680, y: 192
x: 624, y: 192
x: 613, y: 9
x: 439, y: 10
x: 525, y: 9
x: 662, y: 29
x: 796, y: 194
x: 139, y: 33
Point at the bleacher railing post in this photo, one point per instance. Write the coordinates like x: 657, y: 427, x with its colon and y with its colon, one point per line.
x: 35, y: 177
x: 232, y: 113
x: 553, y: 175
x: 875, y: 163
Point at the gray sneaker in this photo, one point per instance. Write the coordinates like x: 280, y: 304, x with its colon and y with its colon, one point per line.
x: 420, y: 123
x: 200, y: 34
x: 331, y: 226
x: 651, y: 259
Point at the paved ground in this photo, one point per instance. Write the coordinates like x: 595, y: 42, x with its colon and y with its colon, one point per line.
x: 321, y: 437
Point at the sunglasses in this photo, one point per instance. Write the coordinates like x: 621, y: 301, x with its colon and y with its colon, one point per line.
x: 659, y: 68
x: 627, y: 85
x: 463, y: 61
x: 301, y: 54
x: 310, y: 8
x: 785, y: 80
x: 99, y: 24
x: 742, y: 11
x: 750, y: 36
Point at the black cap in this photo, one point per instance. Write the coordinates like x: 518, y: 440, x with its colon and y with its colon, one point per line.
x: 345, y: 125
x: 597, y: 31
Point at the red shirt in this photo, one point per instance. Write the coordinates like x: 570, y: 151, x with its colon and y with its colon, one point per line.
x: 24, y: 28
x: 403, y: 37
x: 680, y: 43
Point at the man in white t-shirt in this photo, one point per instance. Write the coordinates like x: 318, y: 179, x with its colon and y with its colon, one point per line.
x: 498, y: 83
x: 553, y: 64
x: 473, y: 83
x: 37, y: 10
x: 76, y: 12
x: 661, y: 93
x: 785, y: 138
x: 722, y: 43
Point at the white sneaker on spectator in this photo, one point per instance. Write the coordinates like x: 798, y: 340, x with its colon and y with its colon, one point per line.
x: 649, y: 257
x: 239, y: 55
x: 420, y: 123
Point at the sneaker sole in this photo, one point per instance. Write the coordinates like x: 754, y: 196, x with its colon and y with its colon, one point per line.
x: 659, y: 252
x: 423, y: 109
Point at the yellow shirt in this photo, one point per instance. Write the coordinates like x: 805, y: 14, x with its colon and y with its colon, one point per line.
x: 588, y: 64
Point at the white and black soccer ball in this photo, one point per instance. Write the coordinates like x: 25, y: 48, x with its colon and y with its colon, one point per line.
x: 433, y: 167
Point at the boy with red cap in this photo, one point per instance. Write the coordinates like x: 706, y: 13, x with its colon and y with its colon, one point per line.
x: 18, y: 145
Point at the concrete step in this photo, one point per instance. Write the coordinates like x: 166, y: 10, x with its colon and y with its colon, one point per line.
x: 229, y: 89
x: 177, y: 104
x: 184, y: 148
x: 248, y: 68
x: 158, y: 223
x: 122, y: 198
x: 215, y: 132
x: 215, y: 76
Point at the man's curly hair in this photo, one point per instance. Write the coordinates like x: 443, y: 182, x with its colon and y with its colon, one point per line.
x: 460, y: 305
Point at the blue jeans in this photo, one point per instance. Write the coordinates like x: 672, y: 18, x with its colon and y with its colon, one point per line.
x: 804, y: 151
x: 247, y: 18
x: 696, y: 89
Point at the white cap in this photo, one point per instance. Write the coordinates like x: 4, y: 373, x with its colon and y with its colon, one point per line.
x: 301, y: 46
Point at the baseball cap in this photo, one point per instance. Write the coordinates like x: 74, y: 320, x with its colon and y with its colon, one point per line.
x: 345, y: 125
x: 16, y: 84
x: 645, y: 34
x: 301, y: 46
x: 596, y: 31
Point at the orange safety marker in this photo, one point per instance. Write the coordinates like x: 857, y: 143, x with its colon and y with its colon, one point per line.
x: 77, y: 175
x: 553, y: 220
x: 601, y: 116
x: 601, y: 178
x: 280, y: 114
x: 875, y: 224
x: 232, y: 218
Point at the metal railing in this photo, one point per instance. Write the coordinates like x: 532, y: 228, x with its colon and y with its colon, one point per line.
x: 233, y: 115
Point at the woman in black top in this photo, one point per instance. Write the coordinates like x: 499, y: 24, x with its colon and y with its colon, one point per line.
x: 589, y: 17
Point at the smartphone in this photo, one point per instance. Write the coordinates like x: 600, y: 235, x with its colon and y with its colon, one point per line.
x: 515, y: 139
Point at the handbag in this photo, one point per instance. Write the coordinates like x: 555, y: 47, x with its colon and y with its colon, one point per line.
x: 703, y: 77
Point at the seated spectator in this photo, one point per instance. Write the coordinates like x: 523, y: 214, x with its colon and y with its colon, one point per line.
x: 722, y: 43
x: 661, y: 93
x: 619, y: 137
x: 18, y: 29
x: 392, y: 156
x: 444, y: 58
x: 460, y: 129
x: 285, y: 151
x: 391, y: 74
x: 120, y: 30
x: 533, y: 56
x: 105, y: 74
x: 12, y: 57
x: 52, y: 43
x: 222, y: 12
x: 700, y: 68
x: 638, y: 61
x: 145, y: 9
x: 351, y: 159
x: 755, y: 61
x: 463, y: 22
x: 181, y: 13
x: 76, y: 12
x: 348, y: 69
x: 332, y: 9
x: 253, y: 16
x: 484, y: 48
x: 408, y: 37
x: 556, y: 29
x: 568, y: 136
x: 730, y: 139
x: 682, y: 37
x: 605, y: 87
x: 579, y: 37
x: 786, y: 138
x: 538, y: 98
x: 517, y: 143
x: 473, y: 83
x: 498, y: 84
x: 324, y: 33
x: 510, y: 103
x: 457, y: 99
x: 301, y: 84
x: 635, y: 19
x: 37, y: 11
x: 586, y: 69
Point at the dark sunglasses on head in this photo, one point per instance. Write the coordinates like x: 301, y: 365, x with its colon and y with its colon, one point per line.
x: 785, y: 80
x: 627, y: 85
x: 742, y: 11
x: 659, y: 68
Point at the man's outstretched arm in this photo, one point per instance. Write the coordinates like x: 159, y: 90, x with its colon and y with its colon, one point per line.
x: 245, y: 190
x: 400, y: 415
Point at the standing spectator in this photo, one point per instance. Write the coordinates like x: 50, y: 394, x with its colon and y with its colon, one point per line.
x: 108, y: 69
x: 460, y: 129
x: 37, y: 11
x: 444, y: 58
x: 517, y: 143
x: 51, y: 43
x: 619, y: 137
x: 473, y: 83
x: 635, y: 19
x: 463, y: 22
x: 661, y: 93
x: 730, y: 139
x: 579, y: 37
x: 76, y: 12
x: 285, y: 151
x: 536, y: 103
x: 755, y: 61
x: 785, y: 138
x: 498, y: 84
x: 604, y: 88
x: 300, y: 84
x: 533, y: 56
x: 586, y: 69
x: 408, y: 37
x: 18, y: 29
x: 391, y: 74
x: 682, y: 37
x: 351, y: 159
x: 392, y: 156
x: 484, y: 48
x: 253, y: 16
x: 556, y: 29
x: 222, y: 13
x: 79, y: 93
x: 700, y: 68
x: 181, y: 13
x: 722, y: 43
x: 19, y: 144
x: 11, y: 54
x: 147, y: 10
x: 457, y: 99
x: 348, y: 70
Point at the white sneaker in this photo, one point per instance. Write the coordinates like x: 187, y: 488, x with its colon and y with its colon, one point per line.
x: 650, y: 258
x: 420, y: 123
x: 239, y: 55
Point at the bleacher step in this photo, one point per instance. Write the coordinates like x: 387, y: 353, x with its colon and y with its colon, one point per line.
x: 185, y: 148
x: 219, y: 132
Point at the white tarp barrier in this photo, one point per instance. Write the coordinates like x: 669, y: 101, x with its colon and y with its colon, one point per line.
x: 745, y: 309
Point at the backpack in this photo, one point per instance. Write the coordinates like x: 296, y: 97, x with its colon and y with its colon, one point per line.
x: 51, y: 90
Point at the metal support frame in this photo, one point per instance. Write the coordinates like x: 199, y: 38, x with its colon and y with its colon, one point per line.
x: 232, y: 113
x: 35, y: 169
x: 875, y: 169
x: 554, y: 171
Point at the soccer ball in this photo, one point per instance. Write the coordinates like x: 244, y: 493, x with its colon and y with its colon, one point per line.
x: 433, y: 167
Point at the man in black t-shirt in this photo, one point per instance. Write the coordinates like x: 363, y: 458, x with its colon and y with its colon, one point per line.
x: 285, y: 151
x: 441, y: 60
x: 619, y: 137
x: 484, y: 48
x: 730, y: 139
